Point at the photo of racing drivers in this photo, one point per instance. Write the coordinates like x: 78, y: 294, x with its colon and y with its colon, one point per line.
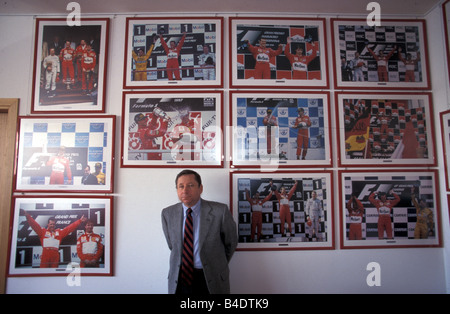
x: 283, y: 210
x: 55, y: 235
x: 392, y: 55
x: 389, y: 208
x: 169, y: 130
x: 281, y: 128
x: 386, y: 129
x: 280, y: 52
x: 70, y: 66
x: 61, y: 153
x: 173, y: 52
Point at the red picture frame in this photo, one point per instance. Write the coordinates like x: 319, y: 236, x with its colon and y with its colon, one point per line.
x: 197, y: 54
x: 385, y: 129
x: 68, y: 253
x: 391, y: 222
x: 276, y: 64
x: 370, y: 70
x: 73, y: 78
x: 308, y: 230
x: 172, y: 130
x: 65, y: 154
x: 294, y: 141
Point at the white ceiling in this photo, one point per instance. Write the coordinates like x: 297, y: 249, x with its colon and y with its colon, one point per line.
x: 349, y: 7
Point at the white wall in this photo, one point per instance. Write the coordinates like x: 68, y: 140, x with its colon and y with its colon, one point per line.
x: 140, y: 251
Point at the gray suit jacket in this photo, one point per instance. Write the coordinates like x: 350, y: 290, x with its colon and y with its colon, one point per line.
x: 217, y: 241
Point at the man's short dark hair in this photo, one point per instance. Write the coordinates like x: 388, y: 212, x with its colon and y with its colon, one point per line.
x: 189, y: 172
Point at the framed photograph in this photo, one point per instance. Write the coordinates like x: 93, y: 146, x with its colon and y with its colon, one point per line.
x: 173, y: 52
x: 280, y: 129
x: 283, y: 210
x: 61, y: 236
x: 65, y: 154
x: 278, y: 52
x: 176, y: 129
x: 70, y: 63
x: 391, y: 56
x: 389, y: 209
x: 445, y: 129
x: 389, y: 129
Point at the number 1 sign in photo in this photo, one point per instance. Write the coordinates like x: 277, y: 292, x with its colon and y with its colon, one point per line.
x: 173, y: 52
x: 283, y: 210
x: 51, y: 236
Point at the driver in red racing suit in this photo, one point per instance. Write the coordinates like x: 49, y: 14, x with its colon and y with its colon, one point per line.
x: 51, y: 238
x: 172, y: 56
x: 384, y: 208
x: 151, y: 126
x: 88, y: 62
x: 262, y: 55
x: 60, y: 165
x: 299, y: 61
x: 256, y: 204
x: 285, y: 213
x: 356, y: 213
x: 89, y: 247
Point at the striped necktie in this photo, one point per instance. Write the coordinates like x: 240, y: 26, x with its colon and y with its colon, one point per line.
x: 187, y: 259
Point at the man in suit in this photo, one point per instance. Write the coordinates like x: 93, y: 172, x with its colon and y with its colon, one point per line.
x: 214, y: 233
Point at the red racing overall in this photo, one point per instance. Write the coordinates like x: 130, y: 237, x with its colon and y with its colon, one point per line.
x: 50, y: 241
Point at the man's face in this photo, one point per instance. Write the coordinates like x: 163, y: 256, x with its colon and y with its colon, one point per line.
x: 188, y: 190
x: 142, y: 123
x: 51, y: 225
x: 89, y: 227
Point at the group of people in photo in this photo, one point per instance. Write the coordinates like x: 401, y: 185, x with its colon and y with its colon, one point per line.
x: 69, y: 66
